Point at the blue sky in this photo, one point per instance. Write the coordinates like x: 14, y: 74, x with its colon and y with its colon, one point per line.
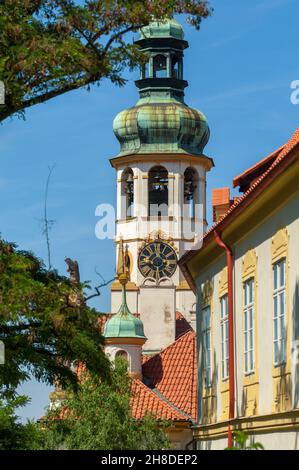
x: 239, y: 67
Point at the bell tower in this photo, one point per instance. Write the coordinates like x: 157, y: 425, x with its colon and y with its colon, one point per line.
x: 161, y: 185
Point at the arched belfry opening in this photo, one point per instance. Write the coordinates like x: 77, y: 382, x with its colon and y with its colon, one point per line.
x: 190, y: 191
x: 176, y: 67
x: 160, y: 66
x: 158, y: 191
x: 127, y: 192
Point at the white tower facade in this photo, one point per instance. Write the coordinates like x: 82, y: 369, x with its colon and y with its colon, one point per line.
x: 161, y: 187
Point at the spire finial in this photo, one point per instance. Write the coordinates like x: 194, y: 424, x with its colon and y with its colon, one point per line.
x: 123, y: 275
x: 123, y: 271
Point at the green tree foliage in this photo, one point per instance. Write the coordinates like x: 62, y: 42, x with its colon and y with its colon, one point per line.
x: 50, y: 47
x: 241, y: 442
x: 13, y: 434
x: 45, y: 324
x: 98, y: 417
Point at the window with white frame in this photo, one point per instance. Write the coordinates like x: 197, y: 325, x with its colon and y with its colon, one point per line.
x: 206, y: 342
x: 224, y: 336
x: 279, y: 310
x: 248, y: 311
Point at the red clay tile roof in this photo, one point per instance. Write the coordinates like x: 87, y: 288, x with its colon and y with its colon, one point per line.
x: 145, y: 401
x: 173, y: 373
x: 251, y: 174
x: 280, y: 156
x: 171, y: 396
x: 181, y: 325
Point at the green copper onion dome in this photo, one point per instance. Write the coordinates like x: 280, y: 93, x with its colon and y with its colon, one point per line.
x: 166, y: 127
x: 161, y: 122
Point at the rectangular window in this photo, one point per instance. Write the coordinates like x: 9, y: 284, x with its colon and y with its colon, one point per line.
x: 279, y: 311
x: 224, y: 336
x: 206, y: 341
x: 248, y: 311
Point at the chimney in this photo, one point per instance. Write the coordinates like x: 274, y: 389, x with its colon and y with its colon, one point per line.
x: 220, y: 202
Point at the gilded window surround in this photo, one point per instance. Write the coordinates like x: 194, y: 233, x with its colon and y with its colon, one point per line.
x: 224, y: 384
x: 251, y: 380
x: 209, y: 394
x: 282, y: 382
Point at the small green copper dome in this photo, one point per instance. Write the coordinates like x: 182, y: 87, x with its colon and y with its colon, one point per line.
x: 161, y: 127
x: 168, y: 28
x: 124, y: 326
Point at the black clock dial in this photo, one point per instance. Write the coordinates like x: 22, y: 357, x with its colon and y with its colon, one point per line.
x: 157, y: 260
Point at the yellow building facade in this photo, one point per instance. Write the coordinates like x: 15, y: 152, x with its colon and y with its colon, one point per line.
x: 261, y: 229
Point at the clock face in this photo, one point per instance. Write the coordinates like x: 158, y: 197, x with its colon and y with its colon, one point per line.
x: 157, y: 260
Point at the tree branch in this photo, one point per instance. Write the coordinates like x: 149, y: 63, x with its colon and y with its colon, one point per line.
x: 50, y: 94
x: 97, y: 289
x: 119, y: 34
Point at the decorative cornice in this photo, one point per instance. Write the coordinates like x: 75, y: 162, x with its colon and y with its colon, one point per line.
x: 249, y: 265
x: 204, y: 160
x: 129, y: 341
x: 274, y: 422
x: 131, y: 286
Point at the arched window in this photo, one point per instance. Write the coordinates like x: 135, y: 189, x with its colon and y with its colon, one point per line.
x: 160, y: 66
x: 190, y: 187
x: 122, y: 354
x: 127, y: 191
x: 158, y: 191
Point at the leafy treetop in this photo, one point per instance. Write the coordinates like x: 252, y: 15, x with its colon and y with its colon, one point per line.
x: 45, y: 324
x: 50, y: 47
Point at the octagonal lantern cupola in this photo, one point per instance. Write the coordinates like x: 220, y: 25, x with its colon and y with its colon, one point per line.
x: 161, y: 122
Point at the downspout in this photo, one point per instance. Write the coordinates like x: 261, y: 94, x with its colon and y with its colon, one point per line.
x: 231, y: 334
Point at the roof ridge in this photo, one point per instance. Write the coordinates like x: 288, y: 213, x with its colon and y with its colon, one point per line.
x: 166, y: 400
x: 257, y: 164
x: 180, y: 414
